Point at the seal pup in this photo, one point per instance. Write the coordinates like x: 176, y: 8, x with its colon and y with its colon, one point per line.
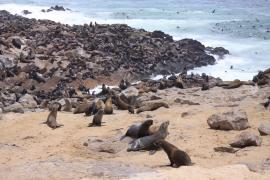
x: 108, y: 106
x: 51, y: 119
x: 152, y: 106
x: 147, y: 142
x: 138, y: 130
x: 176, y: 156
x: 67, y: 107
x: 97, y: 119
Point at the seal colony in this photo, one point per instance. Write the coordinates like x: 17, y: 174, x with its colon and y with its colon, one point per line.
x: 55, y: 64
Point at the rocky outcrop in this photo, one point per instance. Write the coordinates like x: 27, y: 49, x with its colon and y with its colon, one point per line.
x: 16, y: 107
x: 246, y: 139
x: 27, y: 101
x: 232, y: 120
x: 51, y: 60
x: 262, y: 78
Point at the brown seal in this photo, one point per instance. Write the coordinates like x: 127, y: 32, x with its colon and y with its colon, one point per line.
x: 108, y: 106
x: 120, y: 103
x: 147, y: 142
x: 81, y: 108
x: 175, y: 155
x: 97, y: 119
x: 51, y: 119
x: 152, y: 106
x: 234, y: 84
x: 138, y: 130
x: 53, y: 104
x: 67, y: 107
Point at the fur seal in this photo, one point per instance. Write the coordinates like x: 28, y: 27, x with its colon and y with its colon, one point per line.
x: 152, y: 106
x: 108, y: 106
x: 94, y: 107
x: 175, y: 155
x: 97, y: 119
x: 67, y: 107
x: 51, y: 119
x: 138, y: 130
x: 234, y: 84
x: 147, y: 142
x: 81, y: 108
x: 53, y: 104
x: 120, y: 103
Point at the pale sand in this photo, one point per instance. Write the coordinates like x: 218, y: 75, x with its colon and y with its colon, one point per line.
x: 31, y: 150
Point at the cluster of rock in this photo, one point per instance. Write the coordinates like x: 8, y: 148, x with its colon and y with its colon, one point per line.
x: 48, y: 60
x: 262, y: 78
x: 55, y: 8
x: 237, y: 120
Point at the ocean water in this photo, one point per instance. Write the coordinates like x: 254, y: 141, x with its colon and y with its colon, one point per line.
x: 241, y: 26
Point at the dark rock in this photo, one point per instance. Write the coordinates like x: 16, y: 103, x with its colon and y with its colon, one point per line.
x: 25, y: 12
x: 262, y: 78
x: 225, y: 149
x: 220, y: 51
x: 246, y: 139
x: 232, y: 120
x: 17, y: 43
x: 57, y: 8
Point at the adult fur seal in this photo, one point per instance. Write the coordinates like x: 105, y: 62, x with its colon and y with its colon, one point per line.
x: 108, y: 106
x: 94, y: 107
x: 51, y: 119
x: 138, y: 130
x: 67, y: 107
x: 97, y: 119
x: 152, y: 106
x: 175, y: 155
x: 120, y: 103
x: 147, y: 142
x: 234, y: 84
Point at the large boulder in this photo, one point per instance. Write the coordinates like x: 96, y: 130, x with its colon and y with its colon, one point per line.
x: 130, y: 92
x: 232, y: 120
x: 16, y: 107
x: 246, y: 139
x: 27, y: 101
x: 264, y: 129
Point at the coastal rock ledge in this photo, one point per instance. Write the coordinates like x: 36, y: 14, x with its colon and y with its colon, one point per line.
x: 88, y: 51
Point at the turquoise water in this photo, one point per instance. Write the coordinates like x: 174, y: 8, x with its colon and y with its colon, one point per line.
x: 241, y: 26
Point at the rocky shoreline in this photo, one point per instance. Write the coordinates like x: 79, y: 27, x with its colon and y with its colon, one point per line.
x: 44, y: 58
